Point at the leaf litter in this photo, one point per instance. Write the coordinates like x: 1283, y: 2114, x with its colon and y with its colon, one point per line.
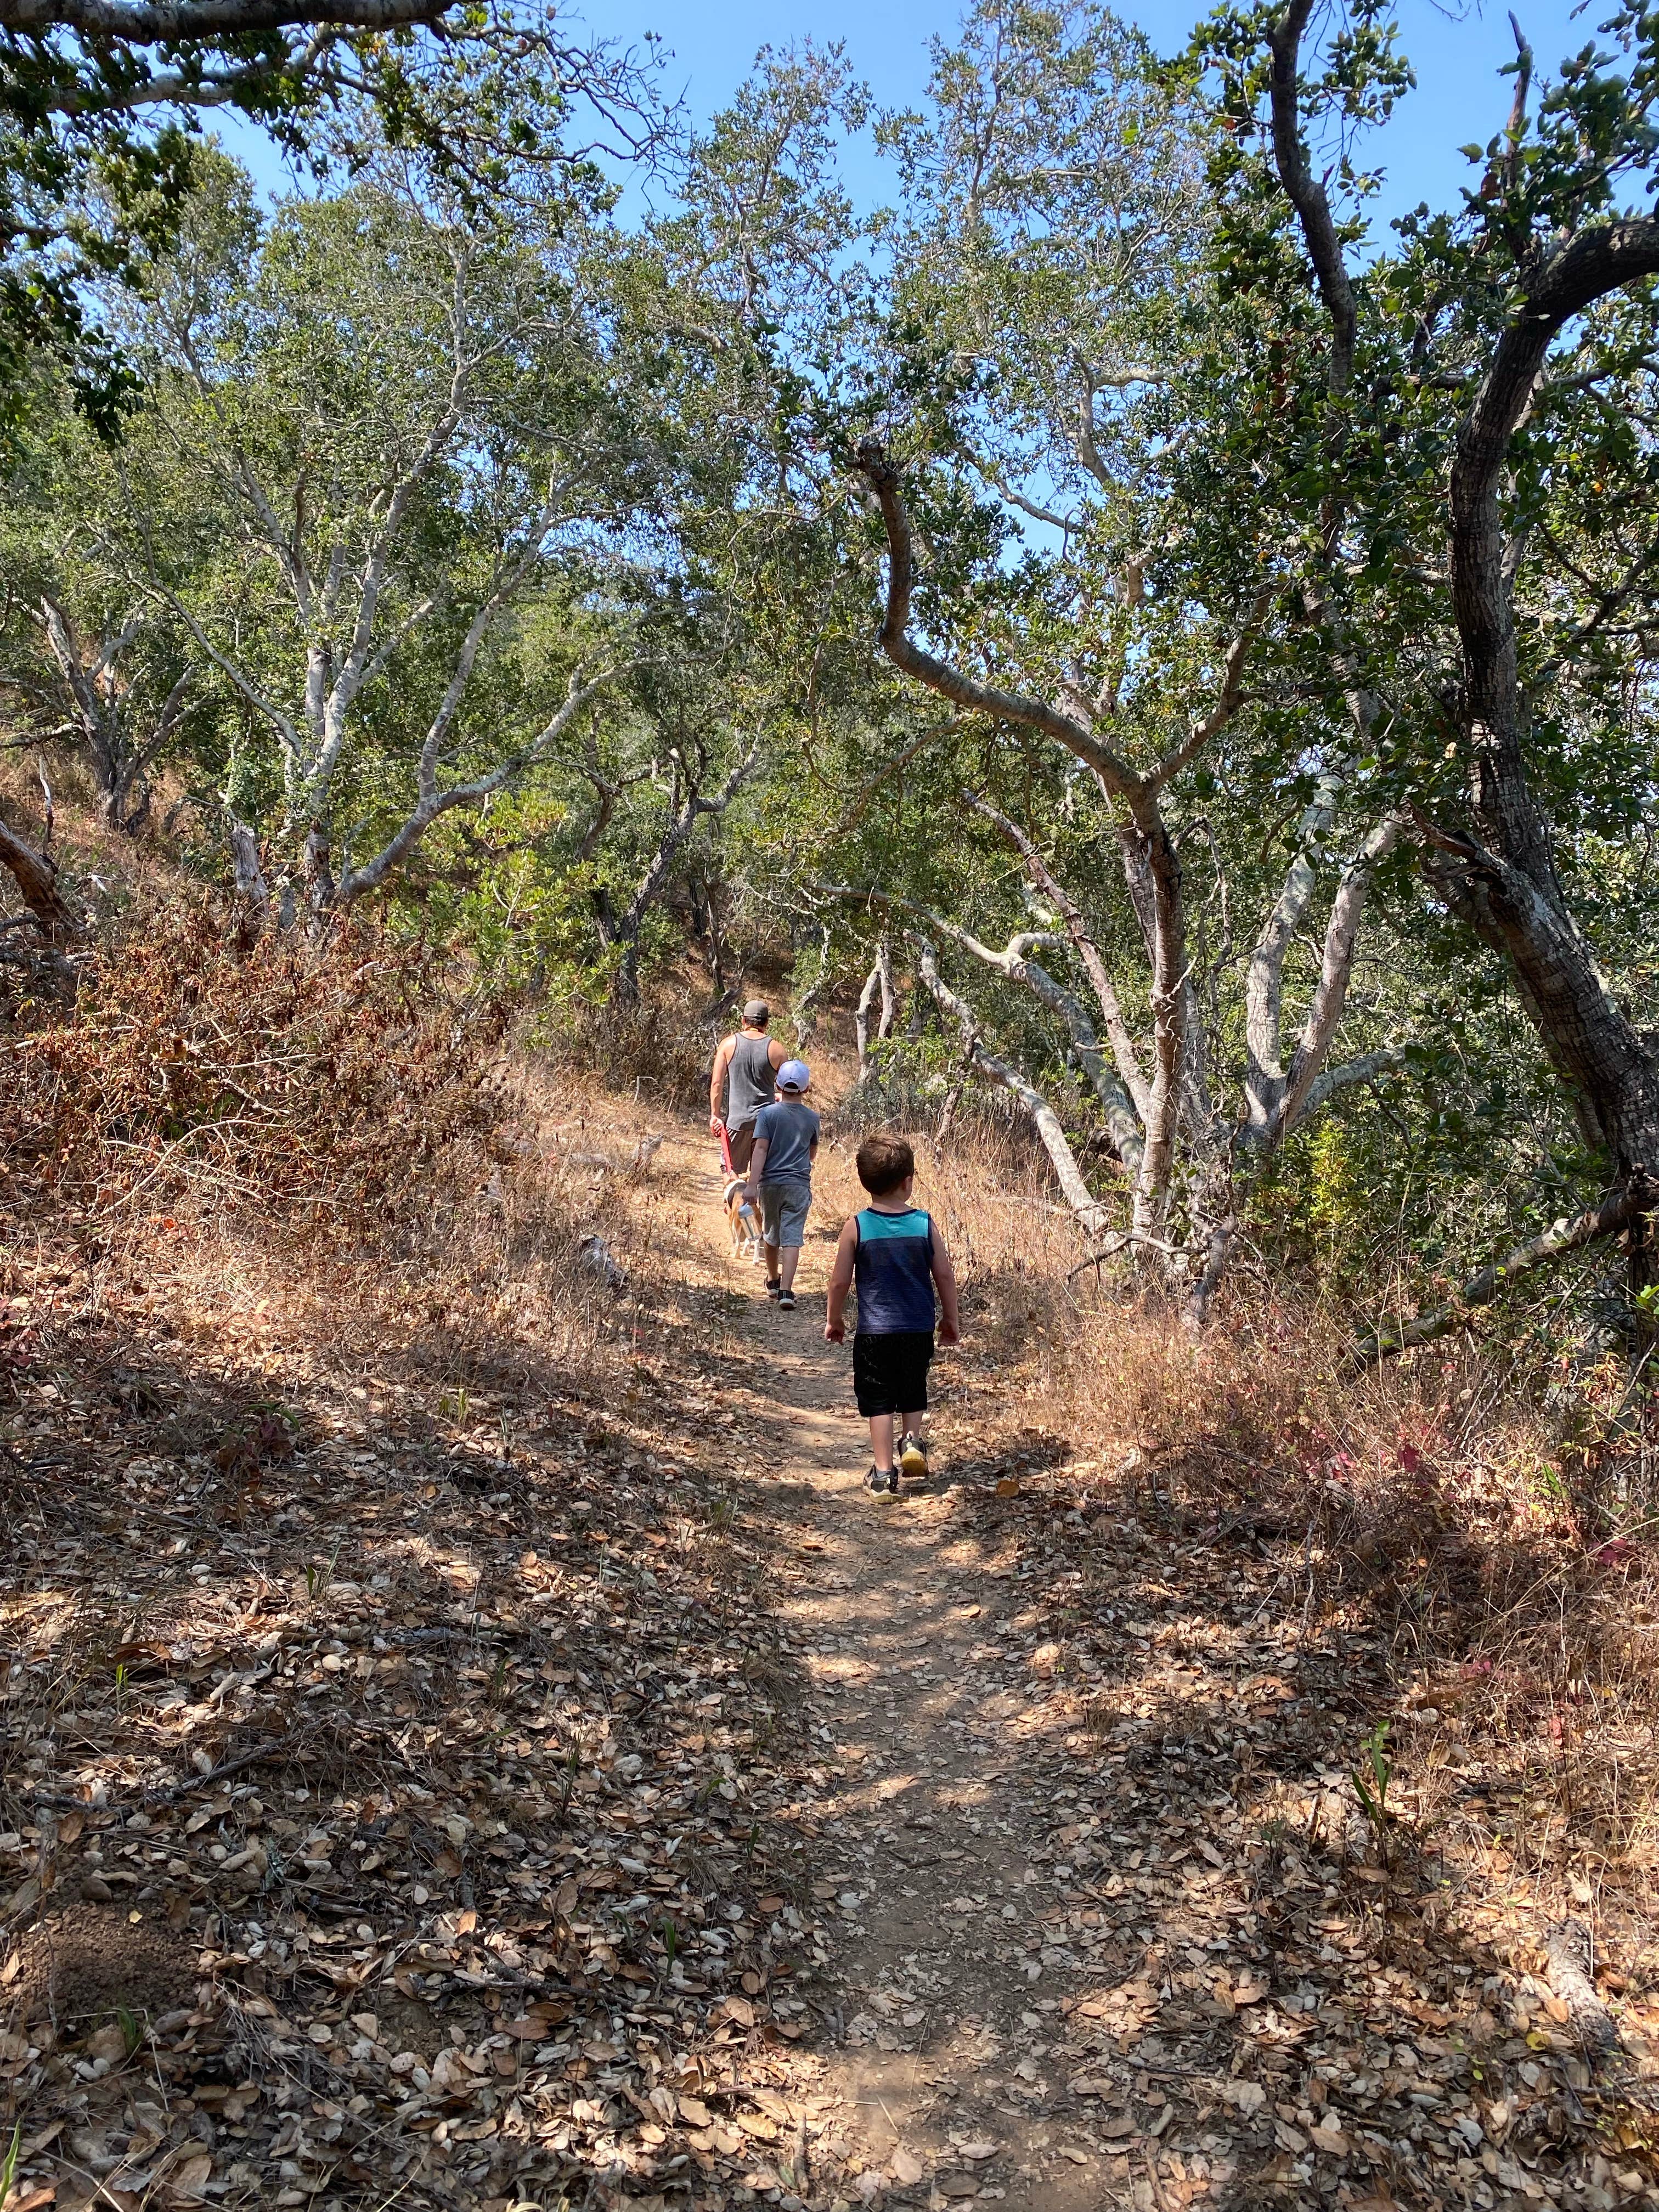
x: 397, y: 1781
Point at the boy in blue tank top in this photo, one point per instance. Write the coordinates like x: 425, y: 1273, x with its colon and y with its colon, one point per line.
x: 897, y: 1257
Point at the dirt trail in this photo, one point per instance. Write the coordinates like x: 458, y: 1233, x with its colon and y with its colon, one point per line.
x: 940, y: 2014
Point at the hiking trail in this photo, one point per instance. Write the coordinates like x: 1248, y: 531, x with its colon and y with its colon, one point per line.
x: 491, y: 1753
x: 892, y: 1602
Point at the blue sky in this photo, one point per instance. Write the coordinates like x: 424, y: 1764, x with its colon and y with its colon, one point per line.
x: 711, y: 45
x: 1459, y: 97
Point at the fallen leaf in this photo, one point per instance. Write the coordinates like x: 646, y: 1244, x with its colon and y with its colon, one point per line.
x: 190, y: 2177
x: 1248, y: 2097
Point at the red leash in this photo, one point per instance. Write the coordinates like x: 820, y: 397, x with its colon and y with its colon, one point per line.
x: 725, y: 1149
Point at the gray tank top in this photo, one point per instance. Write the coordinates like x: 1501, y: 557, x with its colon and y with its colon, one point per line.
x: 749, y: 1081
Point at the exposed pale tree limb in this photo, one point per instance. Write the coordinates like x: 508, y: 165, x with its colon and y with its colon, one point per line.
x: 1615, y: 1213
x: 1264, y: 977
x: 1091, y: 1214
x: 247, y: 872
x: 1045, y: 881
x: 1366, y: 1067
x: 877, y: 983
x: 1015, y: 962
x: 434, y: 799
x: 1330, y: 995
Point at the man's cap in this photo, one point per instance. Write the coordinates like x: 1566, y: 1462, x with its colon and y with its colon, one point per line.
x: 794, y: 1075
x: 757, y: 1011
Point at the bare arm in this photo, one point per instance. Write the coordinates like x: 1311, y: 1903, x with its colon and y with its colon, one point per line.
x: 840, y: 1282
x: 777, y: 1052
x: 756, y: 1162
x: 717, y: 1082
x: 944, y: 1275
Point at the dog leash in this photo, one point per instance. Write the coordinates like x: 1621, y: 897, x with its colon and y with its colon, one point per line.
x: 725, y: 1149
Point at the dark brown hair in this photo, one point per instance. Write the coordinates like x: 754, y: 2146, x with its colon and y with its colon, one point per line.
x: 883, y: 1163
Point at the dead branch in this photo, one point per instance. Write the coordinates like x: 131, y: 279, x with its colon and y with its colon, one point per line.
x: 1562, y: 1236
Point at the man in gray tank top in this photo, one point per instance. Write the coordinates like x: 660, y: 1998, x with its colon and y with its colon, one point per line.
x: 744, y: 1080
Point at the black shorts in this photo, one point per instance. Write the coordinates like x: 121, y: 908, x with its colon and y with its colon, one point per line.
x: 889, y: 1373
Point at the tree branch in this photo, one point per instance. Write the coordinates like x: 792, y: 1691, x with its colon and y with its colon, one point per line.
x: 1115, y: 773
x: 432, y: 802
x: 1307, y: 194
x: 149, y: 22
x: 1229, y: 699
x: 1341, y: 934
x: 1089, y: 1213
x: 1043, y: 878
x: 1364, y: 1068
x: 1015, y: 963
x: 36, y: 878
x: 1562, y: 1236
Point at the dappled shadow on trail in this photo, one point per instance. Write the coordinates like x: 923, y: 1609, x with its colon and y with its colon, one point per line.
x: 610, y: 1685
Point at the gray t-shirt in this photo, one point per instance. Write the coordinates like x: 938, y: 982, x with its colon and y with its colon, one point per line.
x: 750, y: 1079
x: 790, y: 1131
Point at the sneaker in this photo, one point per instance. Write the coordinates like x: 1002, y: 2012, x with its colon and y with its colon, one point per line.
x: 774, y: 1289
x: 880, y: 1478
x: 786, y: 1301
x: 913, y: 1458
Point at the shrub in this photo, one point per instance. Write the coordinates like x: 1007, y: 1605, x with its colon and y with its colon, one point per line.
x: 285, y: 1073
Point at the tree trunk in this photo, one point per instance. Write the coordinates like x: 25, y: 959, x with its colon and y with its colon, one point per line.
x: 1504, y: 880
x: 36, y: 878
x: 861, y: 1021
x: 252, y: 892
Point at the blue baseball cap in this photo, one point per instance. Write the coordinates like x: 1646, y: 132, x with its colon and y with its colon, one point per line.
x: 794, y: 1075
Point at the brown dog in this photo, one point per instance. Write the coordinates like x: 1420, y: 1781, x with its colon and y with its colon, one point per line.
x: 744, y: 1221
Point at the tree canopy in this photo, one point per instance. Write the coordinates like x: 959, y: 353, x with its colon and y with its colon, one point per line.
x: 1185, y: 643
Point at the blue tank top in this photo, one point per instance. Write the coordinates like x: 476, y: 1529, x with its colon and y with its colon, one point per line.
x: 893, y: 1269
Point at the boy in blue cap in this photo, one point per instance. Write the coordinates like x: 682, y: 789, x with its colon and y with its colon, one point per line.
x: 895, y: 1255
x: 781, y: 1178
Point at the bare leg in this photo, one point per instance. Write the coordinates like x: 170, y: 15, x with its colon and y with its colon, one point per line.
x: 881, y: 1440
x: 788, y: 1260
x: 771, y: 1253
x: 910, y: 1424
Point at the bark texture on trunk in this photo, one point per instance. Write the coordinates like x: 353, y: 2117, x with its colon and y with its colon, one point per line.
x: 36, y: 878
x: 1504, y: 874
